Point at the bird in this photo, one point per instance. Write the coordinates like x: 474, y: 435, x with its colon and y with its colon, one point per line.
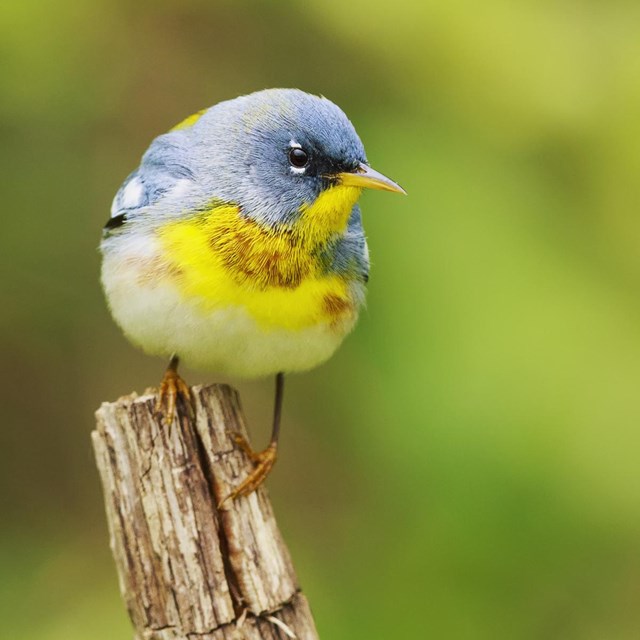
x: 237, y: 245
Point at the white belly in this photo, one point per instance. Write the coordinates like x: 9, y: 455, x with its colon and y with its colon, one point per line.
x: 158, y: 319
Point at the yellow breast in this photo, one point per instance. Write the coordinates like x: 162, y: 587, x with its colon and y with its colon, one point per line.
x: 221, y: 258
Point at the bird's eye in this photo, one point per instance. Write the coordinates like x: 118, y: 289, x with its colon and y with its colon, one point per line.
x: 298, y: 157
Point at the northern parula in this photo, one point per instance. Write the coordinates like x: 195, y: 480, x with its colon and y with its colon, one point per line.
x: 237, y: 244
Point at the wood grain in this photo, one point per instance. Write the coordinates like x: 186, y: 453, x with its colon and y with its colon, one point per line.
x: 188, y: 570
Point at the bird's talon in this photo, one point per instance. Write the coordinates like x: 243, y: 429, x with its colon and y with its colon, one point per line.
x: 172, y: 388
x: 263, y: 460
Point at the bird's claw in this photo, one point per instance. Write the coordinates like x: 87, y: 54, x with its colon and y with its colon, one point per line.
x: 263, y: 461
x: 172, y: 389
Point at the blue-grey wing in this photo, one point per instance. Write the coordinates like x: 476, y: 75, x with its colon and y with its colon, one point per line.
x: 163, y: 167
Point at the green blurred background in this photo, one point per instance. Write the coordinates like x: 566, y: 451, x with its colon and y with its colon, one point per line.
x: 466, y: 466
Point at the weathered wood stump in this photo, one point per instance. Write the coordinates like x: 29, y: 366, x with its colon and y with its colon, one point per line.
x: 189, y: 570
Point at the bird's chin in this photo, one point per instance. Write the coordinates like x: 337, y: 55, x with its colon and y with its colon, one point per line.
x: 329, y: 215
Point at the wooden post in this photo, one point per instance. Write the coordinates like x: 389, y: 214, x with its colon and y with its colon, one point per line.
x: 189, y: 570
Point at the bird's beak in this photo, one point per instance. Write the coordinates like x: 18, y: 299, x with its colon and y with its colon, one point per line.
x: 366, y: 177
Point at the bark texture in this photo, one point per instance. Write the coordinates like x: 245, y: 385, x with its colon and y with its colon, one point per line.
x: 188, y: 569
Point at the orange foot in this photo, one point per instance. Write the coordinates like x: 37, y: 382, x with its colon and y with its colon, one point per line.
x: 172, y: 388
x: 263, y: 461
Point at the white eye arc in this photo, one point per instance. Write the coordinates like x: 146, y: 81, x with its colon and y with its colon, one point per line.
x: 298, y: 158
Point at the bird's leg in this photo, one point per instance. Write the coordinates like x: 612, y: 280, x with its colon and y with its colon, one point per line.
x: 172, y: 388
x: 263, y: 460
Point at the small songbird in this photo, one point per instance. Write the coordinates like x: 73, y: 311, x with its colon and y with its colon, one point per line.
x: 237, y: 244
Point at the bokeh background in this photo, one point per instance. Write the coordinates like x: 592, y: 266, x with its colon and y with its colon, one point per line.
x: 467, y: 466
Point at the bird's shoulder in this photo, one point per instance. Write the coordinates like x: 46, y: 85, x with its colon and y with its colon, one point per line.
x: 164, y: 171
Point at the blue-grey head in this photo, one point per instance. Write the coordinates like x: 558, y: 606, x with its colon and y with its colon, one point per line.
x: 272, y: 152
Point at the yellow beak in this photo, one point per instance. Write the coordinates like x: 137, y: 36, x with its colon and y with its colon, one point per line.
x: 367, y: 178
